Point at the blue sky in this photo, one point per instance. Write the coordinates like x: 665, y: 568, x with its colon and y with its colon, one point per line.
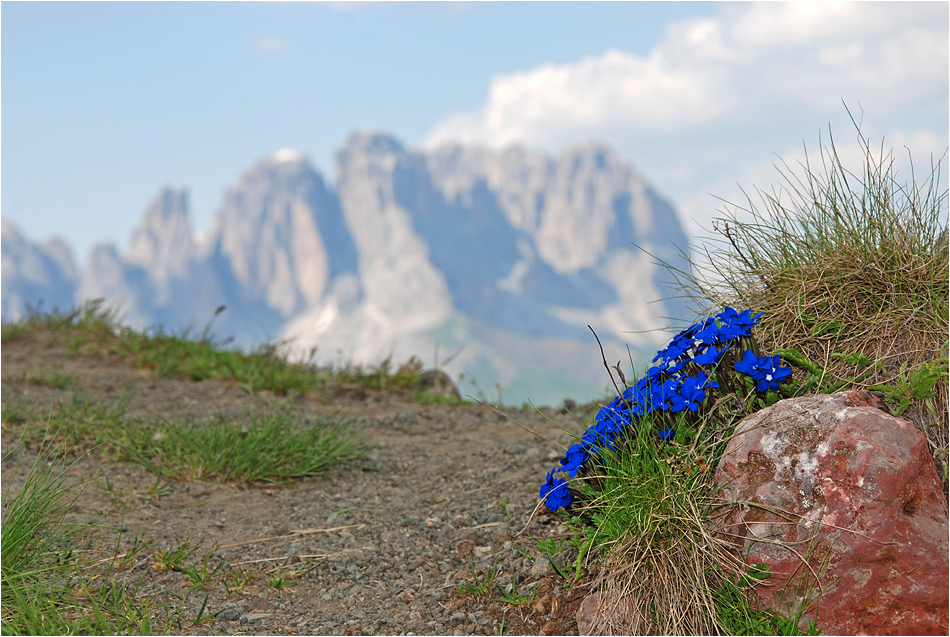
x: 103, y: 104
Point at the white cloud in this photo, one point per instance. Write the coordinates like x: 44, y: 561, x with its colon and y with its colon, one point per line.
x: 713, y: 102
x: 749, y: 56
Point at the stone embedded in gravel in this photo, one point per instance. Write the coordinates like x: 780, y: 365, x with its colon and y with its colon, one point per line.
x: 482, y: 552
x: 465, y: 549
x: 542, y: 567
x: 603, y: 615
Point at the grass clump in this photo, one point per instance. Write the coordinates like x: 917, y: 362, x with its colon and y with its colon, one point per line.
x: 47, y: 588
x: 52, y: 379
x: 79, y: 424
x: 384, y: 376
x: 850, y: 269
x: 273, y: 447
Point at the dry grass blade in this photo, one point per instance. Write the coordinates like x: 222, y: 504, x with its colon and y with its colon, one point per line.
x: 292, y: 534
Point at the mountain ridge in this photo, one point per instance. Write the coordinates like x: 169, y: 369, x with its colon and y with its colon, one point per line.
x: 502, y: 253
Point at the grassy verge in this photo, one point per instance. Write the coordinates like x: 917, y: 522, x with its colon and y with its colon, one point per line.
x: 64, y: 578
x: 70, y: 578
x: 94, y: 331
x: 272, y: 447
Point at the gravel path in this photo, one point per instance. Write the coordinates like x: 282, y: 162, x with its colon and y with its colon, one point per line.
x: 382, y: 549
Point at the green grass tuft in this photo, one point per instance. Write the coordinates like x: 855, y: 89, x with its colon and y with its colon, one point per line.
x: 273, y: 447
x: 645, y: 519
x: 46, y: 588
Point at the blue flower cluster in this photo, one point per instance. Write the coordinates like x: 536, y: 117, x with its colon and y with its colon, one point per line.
x: 677, y: 383
x: 764, y: 369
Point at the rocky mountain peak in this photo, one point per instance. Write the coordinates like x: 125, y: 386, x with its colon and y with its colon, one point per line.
x: 60, y: 252
x: 274, y: 227
x: 577, y: 207
x: 287, y: 156
x: 163, y: 243
x: 403, y: 287
x: 372, y: 143
x: 39, y: 276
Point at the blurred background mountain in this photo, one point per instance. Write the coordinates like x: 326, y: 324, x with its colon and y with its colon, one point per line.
x: 501, y: 256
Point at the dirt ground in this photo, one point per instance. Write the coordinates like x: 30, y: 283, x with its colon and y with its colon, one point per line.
x: 446, y: 492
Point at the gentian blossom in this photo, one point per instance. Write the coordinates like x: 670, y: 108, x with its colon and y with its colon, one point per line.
x: 555, y: 493
x: 749, y: 364
x: 773, y: 373
x: 765, y: 369
x: 574, y: 458
x: 710, y: 357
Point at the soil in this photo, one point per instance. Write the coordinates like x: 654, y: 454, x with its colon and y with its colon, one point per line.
x: 380, y: 548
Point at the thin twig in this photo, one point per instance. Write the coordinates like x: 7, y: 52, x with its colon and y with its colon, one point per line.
x: 289, y: 535
x: 726, y: 231
x: 276, y: 559
x: 603, y: 357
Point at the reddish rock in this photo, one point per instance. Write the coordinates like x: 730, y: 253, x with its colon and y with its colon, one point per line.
x: 858, y: 487
x: 601, y: 614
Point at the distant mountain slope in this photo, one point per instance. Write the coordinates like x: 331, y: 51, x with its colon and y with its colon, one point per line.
x: 508, y: 255
x: 34, y: 276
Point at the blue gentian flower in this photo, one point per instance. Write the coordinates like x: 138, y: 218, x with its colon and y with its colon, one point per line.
x: 615, y: 416
x: 749, y: 364
x: 706, y: 336
x: 729, y: 332
x: 710, y: 356
x: 766, y: 370
x: 575, y: 457
x: 663, y: 393
x: 555, y: 493
x: 772, y: 373
x: 677, y: 403
x: 640, y: 396
x: 740, y: 323
x: 598, y: 437
x: 657, y: 371
x: 693, y: 391
x: 666, y: 434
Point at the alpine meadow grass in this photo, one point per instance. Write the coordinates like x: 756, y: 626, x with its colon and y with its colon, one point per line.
x: 93, y: 329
